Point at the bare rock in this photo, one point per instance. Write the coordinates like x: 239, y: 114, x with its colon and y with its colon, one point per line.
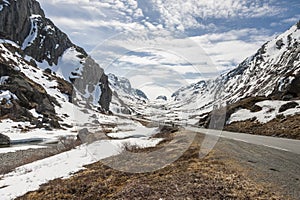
x: 288, y: 106
x: 4, y: 140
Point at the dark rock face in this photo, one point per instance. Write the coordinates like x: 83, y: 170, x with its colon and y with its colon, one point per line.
x: 106, y: 95
x: 288, y: 106
x: 298, y: 25
x: 24, y: 22
x: 29, y: 95
x: 294, y: 88
x: 93, y: 75
x: 162, y: 98
x: 4, y: 140
x: 16, y: 25
x: 50, y: 42
x: 141, y: 93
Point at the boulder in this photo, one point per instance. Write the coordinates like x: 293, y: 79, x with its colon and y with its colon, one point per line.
x: 162, y: 98
x: 4, y: 140
x: 84, y: 136
x: 288, y: 106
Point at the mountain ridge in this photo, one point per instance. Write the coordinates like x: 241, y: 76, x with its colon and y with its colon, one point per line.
x: 284, y: 64
x: 39, y: 60
x: 254, y: 91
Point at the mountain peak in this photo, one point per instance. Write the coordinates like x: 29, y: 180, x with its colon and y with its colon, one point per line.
x: 43, y: 69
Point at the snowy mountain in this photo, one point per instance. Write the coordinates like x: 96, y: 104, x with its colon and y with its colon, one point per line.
x: 43, y: 75
x: 272, y: 73
x: 125, y: 99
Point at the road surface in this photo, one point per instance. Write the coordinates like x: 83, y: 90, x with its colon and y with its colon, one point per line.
x: 283, y: 144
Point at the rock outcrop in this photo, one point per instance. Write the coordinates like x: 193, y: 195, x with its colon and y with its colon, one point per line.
x: 161, y: 97
x: 24, y: 22
x: 37, y: 38
x: 4, y: 140
x: 28, y: 95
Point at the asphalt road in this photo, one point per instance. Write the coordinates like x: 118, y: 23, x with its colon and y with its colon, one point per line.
x: 269, y: 160
x: 277, y: 168
x: 283, y: 144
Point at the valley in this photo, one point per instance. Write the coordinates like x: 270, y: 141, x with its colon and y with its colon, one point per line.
x: 70, y: 129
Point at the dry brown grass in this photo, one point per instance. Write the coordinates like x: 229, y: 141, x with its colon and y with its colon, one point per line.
x: 187, y: 178
x: 287, y: 127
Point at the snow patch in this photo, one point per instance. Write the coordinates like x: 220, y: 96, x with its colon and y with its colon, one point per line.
x: 20, y: 148
x: 5, y: 94
x: 35, y: 114
x: 68, y: 65
x: 138, y: 132
x: 270, y: 109
x: 49, y: 29
x: 3, y: 79
x: 29, y: 177
x: 94, y: 95
x: 33, y: 31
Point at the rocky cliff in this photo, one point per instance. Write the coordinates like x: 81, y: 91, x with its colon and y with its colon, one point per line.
x: 40, y: 66
x: 126, y: 99
x: 24, y: 22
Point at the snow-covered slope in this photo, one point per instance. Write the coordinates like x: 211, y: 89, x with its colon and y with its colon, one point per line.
x: 125, y: 99
x: 272, y: 72
x: 36, y: 98
x: 42, y: 44
x: 46, y: 81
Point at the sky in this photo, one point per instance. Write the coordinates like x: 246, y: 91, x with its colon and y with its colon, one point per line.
x: 162, y: 45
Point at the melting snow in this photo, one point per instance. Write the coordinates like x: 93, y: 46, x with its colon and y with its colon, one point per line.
x: 270, y: 109
x: 29, y: 177
x: 7, y: 95
x: 33, y: 32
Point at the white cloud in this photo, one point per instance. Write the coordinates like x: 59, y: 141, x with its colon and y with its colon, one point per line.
x: 228, y: 49
x: 179, y: 14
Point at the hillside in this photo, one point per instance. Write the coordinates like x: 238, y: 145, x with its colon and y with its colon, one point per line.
x: 69, y: 131
x: 43, y: 74
x: 263, y: 89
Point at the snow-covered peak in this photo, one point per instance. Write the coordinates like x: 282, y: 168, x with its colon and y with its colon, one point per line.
x: 272, y: 72
x: 123, y: 87
x: 120, y: 82
x: 125, y: 99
